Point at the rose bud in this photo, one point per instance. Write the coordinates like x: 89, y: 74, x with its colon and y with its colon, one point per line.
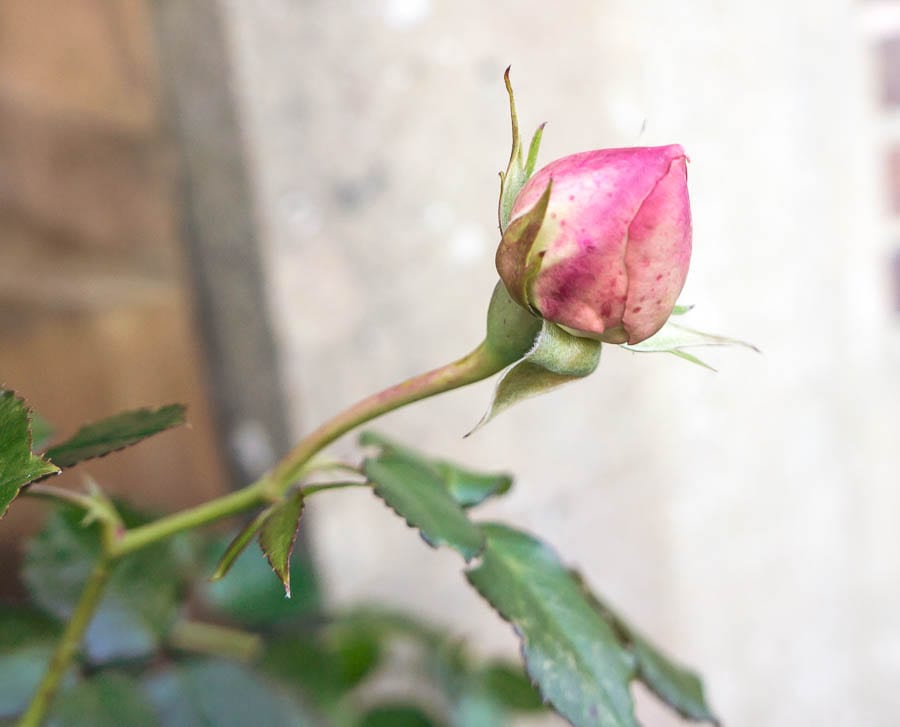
x: 599, y: 242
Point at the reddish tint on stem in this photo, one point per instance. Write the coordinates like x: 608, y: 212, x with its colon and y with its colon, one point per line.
x: 612, y: 252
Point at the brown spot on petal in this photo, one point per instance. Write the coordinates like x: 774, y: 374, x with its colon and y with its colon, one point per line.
x: 636, y: 309
x: 659, y: 277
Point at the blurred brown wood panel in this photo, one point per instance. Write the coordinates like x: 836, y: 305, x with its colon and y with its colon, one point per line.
x: 95, y: 315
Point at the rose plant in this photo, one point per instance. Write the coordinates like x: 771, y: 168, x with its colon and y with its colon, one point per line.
x: 594, y: 249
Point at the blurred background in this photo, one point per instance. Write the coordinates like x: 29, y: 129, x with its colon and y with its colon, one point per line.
x: 270, y: 209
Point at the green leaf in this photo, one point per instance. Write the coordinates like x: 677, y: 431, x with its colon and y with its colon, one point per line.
x: 279, y: 531
x: 139, y: 603
x: 357, y: 652
x: 239, y: 543
x: 107, y: 700
x: 18, y: 465
x: 41, y: 432
x: 474, y: 707
x: 27, y: 641
x: 674, y: 338
x: 471, y: 488
x: 570, y: 652
x: 676, y: 685
x: 116, y: 432
x: 325, y: 665
x: 467, y: 487
x: 488, y: 696
x: 250, y: 596
x: 398, y: 715
x: 557, y: 358
x: 508, y: 686
x: 416, y: 493
x: 221, y: 694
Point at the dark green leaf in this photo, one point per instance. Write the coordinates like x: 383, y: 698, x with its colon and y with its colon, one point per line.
x: 252, y: 597
x: 116, y: 432
x: 27, y: 640
x: 320, y: 670
x: 139, y: 603
x: 570, y: 652
x: 279, y: 531
x: 356, y: 651
x: 221, y: 694
x: 674, y: 684
x: 508, y: 686
x: 239, y: 543
x: 107, y: 700
x: 467, y: 487
x: 398, y: 715
x: 18, y: 465
x: 416, y: 493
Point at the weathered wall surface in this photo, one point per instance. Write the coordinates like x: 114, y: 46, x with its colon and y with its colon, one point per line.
x: 745, y: 519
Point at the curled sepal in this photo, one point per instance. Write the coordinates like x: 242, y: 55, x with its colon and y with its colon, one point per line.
x: 557, y: 358
x: 278, y: 534
x: 519, y: 256
x: 518, y: 170
x: 674, y: 338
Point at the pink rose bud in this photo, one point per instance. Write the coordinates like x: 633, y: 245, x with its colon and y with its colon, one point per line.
x: 600, y: 242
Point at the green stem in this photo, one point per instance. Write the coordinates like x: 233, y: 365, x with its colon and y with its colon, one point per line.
x: 477, y: 365
x: 68, y: 644
x: 51, y: 492
x: 313, y: 489
x: 222, y: 507
x: 481, y: 363
x: 205, y: 638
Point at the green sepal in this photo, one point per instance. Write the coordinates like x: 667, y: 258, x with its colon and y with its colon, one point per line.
x: 517, y: 171
x: 557, y: 358
x: 511, y: 329
x: 278, y: 534
x: 674, y: 338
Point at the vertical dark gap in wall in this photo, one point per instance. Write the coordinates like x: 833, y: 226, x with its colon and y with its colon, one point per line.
x: 221, y: 236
